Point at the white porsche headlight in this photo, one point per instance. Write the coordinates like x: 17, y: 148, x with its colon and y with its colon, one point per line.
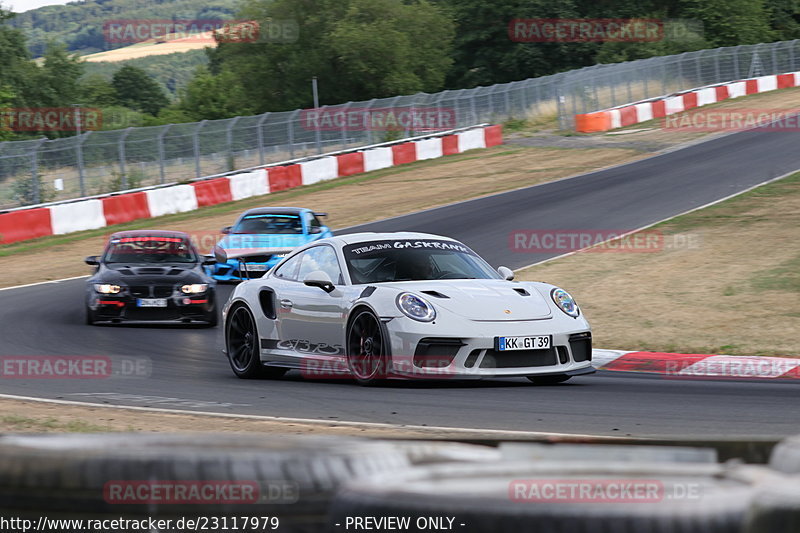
x: 195, y: 288
x: 415, y: 307
x: 565, y: 302
x: 106, y: 288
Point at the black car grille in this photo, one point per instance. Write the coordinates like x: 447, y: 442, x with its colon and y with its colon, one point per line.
x: 518, y: 358
x: 151, y: 291
x: 581, y: 346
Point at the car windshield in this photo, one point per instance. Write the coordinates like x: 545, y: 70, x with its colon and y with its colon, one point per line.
x: 414, y: 260
x: 269, y: 224
x: 150, y: 250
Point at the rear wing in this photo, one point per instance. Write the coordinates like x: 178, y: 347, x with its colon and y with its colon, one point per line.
x: 223, y: 256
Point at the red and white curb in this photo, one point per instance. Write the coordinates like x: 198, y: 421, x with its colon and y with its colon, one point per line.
x: 677, y: 365
x: 644, y: 110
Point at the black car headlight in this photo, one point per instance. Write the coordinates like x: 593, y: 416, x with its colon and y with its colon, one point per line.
x: 107, y: 288
x: 194, y: 288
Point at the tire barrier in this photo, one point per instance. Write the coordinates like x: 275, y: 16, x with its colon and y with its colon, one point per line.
x: 557, y: 497
x: 171, y: 200
x: 249, y: 184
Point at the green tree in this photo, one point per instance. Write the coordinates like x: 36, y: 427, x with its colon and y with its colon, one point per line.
x: 212, y: 97
x: 6, y: 98
x: 358, y: 49
x: 485, y: 52
x: 731, y: 22
x: 137, y: 90
x: 96, y: 90
x: 58, y: 77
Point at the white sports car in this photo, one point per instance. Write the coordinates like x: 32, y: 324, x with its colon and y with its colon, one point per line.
x: 412, y: 305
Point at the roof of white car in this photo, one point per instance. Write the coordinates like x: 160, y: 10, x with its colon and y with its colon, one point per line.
x: 354, y: 238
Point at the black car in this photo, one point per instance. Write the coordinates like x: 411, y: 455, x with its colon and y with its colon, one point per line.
x: 146, y: 276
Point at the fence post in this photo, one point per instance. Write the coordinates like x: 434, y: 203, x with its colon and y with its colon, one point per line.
x: 79, y: 138
x: 37, y: 193
x: 344, y: 125
x: 290, y: 132
x: 196, y: 142
x: 121, y: 148
x: 229, y: 138
x: 260, y: 137
x: 161, y: 155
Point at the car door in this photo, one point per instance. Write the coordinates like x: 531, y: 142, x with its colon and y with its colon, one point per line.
x: 312, y: 319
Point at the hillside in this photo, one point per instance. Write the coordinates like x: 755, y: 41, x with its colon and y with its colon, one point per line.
x: 79, y: 25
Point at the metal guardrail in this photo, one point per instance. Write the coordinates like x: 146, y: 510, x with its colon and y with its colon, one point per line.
x: 99, y: 162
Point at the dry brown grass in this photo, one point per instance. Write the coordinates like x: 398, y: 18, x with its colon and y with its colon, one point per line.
x: 737, y: 291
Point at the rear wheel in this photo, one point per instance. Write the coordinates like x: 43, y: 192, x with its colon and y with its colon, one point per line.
x: 549, y: 380
x: 243, y: 344
x: 366, y: 348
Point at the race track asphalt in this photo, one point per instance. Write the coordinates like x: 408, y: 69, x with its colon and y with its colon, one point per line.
x: 185, y: 368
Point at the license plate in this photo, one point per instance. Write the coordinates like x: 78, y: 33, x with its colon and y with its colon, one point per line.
x: 255, y: 268
x: 539, y: 342
x: 151, y: 302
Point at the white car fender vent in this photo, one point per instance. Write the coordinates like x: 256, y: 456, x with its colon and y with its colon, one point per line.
x: 367, y: 292
x: 522, y: 292
x: 266, y: 298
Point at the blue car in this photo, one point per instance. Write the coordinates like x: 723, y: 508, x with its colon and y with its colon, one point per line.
x: 273, y: 230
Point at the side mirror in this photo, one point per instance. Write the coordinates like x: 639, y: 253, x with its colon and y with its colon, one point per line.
x: 92, y: 260
x: 226, y: 230
x: 506, y: 272
x: 209, y: 260
x: 220, y: 255
x: 319, y: 279
x: 315, y: 229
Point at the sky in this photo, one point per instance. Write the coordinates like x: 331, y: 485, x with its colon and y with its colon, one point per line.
x: 18, y: 6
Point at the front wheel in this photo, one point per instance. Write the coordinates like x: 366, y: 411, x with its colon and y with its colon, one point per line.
x: 549, y: 380
x: 89, y: 316
x: 243, y: 344
x: 366, y: 348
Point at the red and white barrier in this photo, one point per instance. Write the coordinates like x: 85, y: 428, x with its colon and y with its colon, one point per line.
x: 249, y: 184
x: 322, y: 169
x: 625, y: 115
x: 87, y: 214
x: 688, y: 366
x: 77, y: 216
x: 471, y: 140
x: 429, y: 149
x: 378, y: 158
x: 25, y: 224
x: 171, y: 200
